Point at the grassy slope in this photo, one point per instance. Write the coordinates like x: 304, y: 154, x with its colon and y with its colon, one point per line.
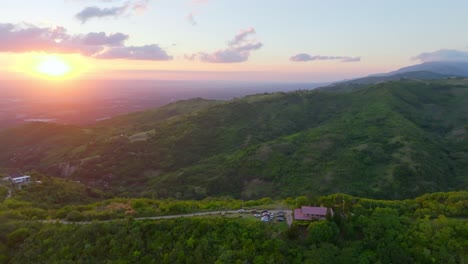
x: 391, y: 140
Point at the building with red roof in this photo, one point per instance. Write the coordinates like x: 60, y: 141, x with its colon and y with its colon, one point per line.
x: 307, y: 213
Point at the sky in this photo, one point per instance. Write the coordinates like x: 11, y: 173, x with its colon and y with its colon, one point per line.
x: 243, y: 40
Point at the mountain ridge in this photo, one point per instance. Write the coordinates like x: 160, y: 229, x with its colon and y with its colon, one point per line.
x: 425, y: 71
x: 399, y: 139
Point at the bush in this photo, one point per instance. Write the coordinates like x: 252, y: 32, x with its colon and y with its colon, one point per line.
x: 74, y: 216
x: 17, y: 236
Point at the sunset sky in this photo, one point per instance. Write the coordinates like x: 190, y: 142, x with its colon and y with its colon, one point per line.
x: 246, y: 40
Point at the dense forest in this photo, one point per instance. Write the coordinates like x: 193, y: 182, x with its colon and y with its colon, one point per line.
x: 432, y: 228
x: 390, y: 140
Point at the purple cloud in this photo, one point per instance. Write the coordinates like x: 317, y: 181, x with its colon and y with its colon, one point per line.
x: 241, y: 36
x: 238, y: 49
x: 30, y: 38
x: 91, y: 12
x: 351, y: 59
x: 302, y: 57
x: 101, y: 38
x: 147, y: 52
x: 224, y: 56
x: 96, y: 12
x: 25, y: 38
x: 442, y: 55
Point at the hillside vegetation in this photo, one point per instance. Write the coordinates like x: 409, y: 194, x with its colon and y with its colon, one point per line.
x: 429, y: 229
x: 394, y: 139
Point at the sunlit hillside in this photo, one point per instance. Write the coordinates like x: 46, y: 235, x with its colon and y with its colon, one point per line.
x: 391, y: 140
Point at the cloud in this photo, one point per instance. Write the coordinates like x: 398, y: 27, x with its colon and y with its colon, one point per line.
x: 140, y: 6
x: 196, y: 5
x: 302, y: 57
x: 238, y: 50
x: 190, y: 57
x: 224, y: 56
x: 191, y: 19
x: 100, y: 1
x: 15, y: 38
x: 241, y: 36
x: 101, y: 38
x: 89, y: 44
x: 29, y: 38
x: 128, y: 7
x: 442, y: 55
x: 96, y: 12
x: 147, y: 52
x: 351, y: 59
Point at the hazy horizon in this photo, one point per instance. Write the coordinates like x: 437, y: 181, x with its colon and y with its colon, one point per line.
x: 88, y: 101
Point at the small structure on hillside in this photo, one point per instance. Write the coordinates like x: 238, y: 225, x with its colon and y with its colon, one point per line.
x: 21, y: 180
x: 307, y: 213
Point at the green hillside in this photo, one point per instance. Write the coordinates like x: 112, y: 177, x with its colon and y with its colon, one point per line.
x: 428, y: 229
x: 389, y: 140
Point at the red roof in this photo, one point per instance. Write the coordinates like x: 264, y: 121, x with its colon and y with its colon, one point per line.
x: 299, y: 216
x: 309, y: 210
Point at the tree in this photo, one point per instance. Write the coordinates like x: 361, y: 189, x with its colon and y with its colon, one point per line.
x: 17, y: 236
x: 74, y: 216
x: 322, y: 231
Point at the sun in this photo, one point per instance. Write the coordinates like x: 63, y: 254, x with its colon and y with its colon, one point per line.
x: 53, y: 67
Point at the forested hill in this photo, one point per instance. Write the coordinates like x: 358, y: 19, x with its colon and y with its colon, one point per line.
x: 432, y: 228
x: 389, y: 140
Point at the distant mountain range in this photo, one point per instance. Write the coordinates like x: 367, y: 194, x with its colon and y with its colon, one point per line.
x: 424, y: 71
x: 440, y: 67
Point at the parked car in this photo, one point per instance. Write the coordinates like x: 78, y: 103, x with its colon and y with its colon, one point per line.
x: 280, y: 219
x: 257, y: 215
x: 241, y: 211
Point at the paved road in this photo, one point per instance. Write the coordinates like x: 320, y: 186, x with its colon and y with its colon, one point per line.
x: 288, y: 213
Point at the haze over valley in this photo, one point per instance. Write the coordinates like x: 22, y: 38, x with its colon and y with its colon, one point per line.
x: 85, y: 102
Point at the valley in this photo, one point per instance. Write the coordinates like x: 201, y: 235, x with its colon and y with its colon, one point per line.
x: 86, y: 102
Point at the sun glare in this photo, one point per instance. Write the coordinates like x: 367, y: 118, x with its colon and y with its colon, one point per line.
x: 53, y: 66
